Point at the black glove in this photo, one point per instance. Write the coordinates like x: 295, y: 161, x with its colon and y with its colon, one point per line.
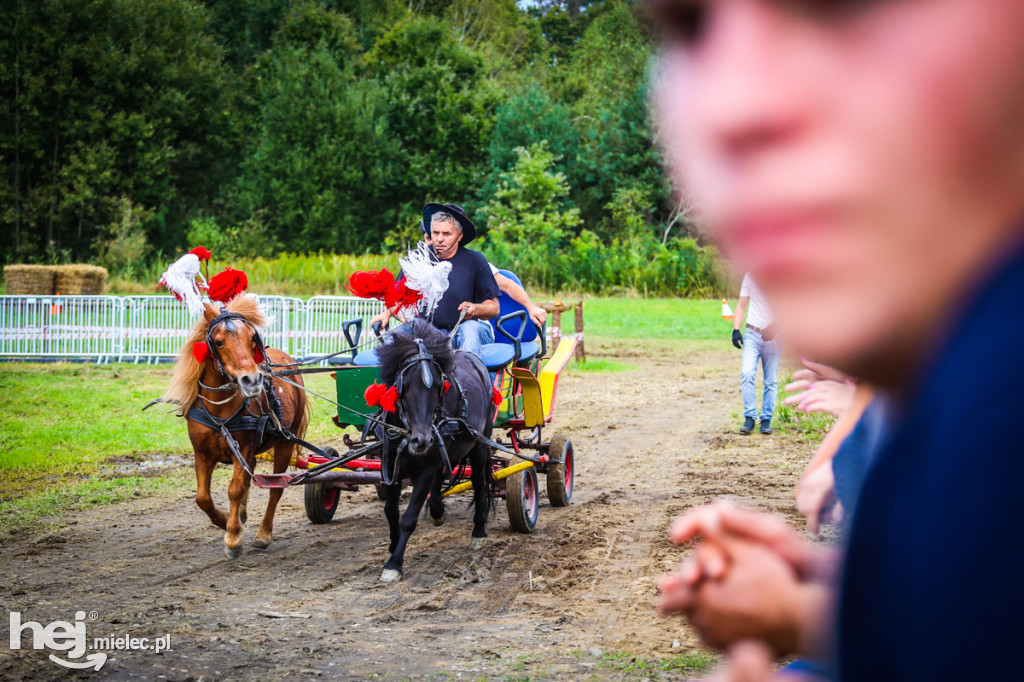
x: 737, y: 339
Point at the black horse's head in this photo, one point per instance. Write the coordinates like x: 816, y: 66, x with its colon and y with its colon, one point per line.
x: 415, y: 363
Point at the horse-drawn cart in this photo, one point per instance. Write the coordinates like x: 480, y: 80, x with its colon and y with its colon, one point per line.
x: 525, y: 381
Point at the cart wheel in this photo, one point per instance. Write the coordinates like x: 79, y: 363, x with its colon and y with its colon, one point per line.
x: 561, y: 476
x: 321, y: 502
x: 521, y: 498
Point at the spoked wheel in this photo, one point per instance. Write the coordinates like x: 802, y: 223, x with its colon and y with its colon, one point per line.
x: 521, y: 499
x: 561, y: 476
x: 321, y: 500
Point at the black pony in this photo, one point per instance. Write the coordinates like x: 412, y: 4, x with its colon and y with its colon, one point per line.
x: 443, y: 397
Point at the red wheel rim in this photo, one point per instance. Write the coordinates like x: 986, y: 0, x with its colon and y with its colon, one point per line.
x: 567, y: 464
x: 331, y: 499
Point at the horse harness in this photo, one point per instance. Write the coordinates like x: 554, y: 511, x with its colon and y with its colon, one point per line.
x: 268, y: 425
x: 443, y: 426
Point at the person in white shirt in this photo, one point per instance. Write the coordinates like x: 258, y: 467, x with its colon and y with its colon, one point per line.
x: 758, y: 344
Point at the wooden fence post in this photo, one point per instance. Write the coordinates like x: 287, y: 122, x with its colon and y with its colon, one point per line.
x: 556, y: 328
x: 581, y: 353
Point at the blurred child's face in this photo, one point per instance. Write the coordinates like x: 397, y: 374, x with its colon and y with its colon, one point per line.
x: 862, y: 159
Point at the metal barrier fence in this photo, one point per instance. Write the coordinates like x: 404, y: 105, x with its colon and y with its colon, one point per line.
x: 149, y: 328
x: 62, y: 327
x: 156, y: 326
x: 324, y: 317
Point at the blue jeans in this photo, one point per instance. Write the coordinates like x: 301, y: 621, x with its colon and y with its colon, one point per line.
x: 471, y: 335
x: 768, y: 352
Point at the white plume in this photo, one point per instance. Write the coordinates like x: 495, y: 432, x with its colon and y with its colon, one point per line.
x: 426, y: 274
x: 180, y: 280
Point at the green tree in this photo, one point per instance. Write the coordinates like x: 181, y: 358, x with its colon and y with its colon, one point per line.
x: 609, y: 61
x: 246, y: 27
x: 441, y: 112
x: 527, y: 117
x: 528, y: 225
x: 103, y: 99
x: 504, y: 34
x: 617, y: 151
x: 319, y: 160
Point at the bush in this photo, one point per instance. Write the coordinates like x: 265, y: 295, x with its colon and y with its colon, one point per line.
x: 123, y: 244
x: 252, y: 238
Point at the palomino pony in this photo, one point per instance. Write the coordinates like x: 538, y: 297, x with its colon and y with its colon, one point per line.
x: 441, y: 392
x: 228, y: 396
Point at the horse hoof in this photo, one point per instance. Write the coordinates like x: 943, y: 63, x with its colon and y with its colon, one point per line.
x: 440, y: 521
x: 477, y: 543
x: 232, y: 553
x: 242, y: 517
x: 261, y: 543
x: 390, y: 575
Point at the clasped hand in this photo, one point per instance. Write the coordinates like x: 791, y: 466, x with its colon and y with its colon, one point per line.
x: 752, y: 577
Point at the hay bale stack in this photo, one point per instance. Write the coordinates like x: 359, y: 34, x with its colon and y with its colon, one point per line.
x: 29, y: 280
x: 80, y: 280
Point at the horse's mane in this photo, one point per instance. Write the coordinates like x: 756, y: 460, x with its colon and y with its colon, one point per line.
x: 403, y: 345
x: 185, y: 383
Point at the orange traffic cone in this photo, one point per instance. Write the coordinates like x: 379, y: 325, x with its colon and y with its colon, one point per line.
x: 55, y: 308
x: 726, y: 311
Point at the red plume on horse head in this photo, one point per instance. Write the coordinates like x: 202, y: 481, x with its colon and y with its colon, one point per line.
x: 382, y: 286
x: 370, y: 284
x: 225, y: 286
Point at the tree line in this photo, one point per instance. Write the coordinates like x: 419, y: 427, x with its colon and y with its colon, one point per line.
x: 132, y: 128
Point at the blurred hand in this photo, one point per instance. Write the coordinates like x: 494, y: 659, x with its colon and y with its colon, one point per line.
x: 758, y: 595
x: 723, y: 519
x: 470, y: 309
x: 737, y: 338
x: 815, y: 371
x: 748, y: 660
x: 828, y: 396
x: 538, y: 315
x: 753, y: 576
x: 816, y: 499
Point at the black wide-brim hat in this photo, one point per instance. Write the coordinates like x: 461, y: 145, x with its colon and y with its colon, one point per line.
x: 468, y: 228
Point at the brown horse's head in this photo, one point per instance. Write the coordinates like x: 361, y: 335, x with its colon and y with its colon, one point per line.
x: 237, y: 351
x: 235, y: 347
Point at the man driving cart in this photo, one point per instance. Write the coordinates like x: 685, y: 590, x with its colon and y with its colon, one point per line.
x: 472, y: 289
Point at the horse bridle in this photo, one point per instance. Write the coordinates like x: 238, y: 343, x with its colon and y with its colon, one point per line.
x: 228, y: 320
x: 422, y: 359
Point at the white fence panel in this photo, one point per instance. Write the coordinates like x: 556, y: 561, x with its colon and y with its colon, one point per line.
x: 325, y: 316
x: 61, y: 326
x: 285, y: 330
x: 153, y: 327
x: 156, y: 326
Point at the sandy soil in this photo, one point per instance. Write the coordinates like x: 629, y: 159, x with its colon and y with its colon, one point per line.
x: 557, y: 604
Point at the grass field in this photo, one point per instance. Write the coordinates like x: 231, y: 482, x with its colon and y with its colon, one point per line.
x: 654, y: 318
x: 70, y: 431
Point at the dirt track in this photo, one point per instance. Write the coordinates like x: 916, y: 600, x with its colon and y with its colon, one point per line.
x: 552, y: 605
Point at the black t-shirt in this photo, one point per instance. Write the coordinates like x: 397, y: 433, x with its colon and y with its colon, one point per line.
x: 469, y: 280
